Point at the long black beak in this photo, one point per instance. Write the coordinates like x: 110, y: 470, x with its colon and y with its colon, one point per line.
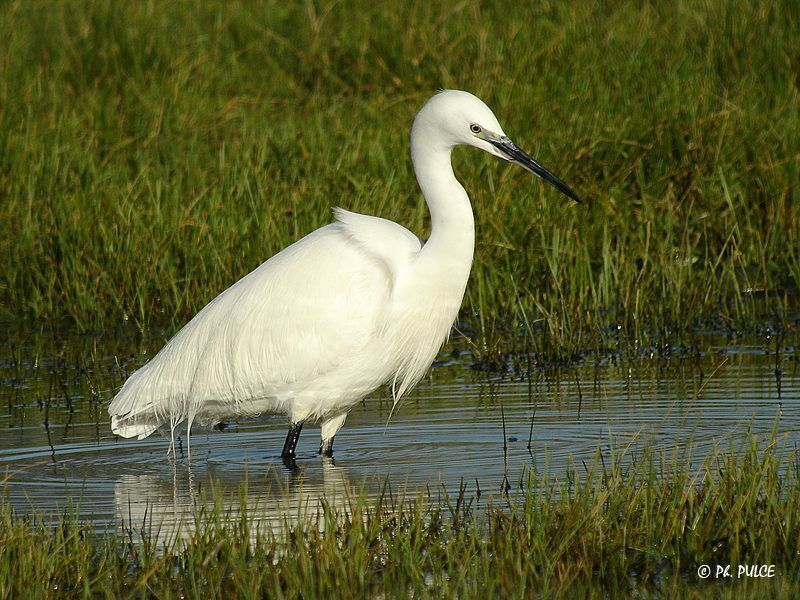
x: 521, y: 158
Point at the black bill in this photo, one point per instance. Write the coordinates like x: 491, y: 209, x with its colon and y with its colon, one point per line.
x: 521, y: 158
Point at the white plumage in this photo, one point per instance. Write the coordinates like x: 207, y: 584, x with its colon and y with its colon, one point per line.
x: 351, y: 306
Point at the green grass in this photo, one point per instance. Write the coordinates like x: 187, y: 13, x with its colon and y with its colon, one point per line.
x: 636, y: 525
x: 152, y: 153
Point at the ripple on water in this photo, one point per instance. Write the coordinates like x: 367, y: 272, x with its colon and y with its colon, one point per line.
x: 455, y: 428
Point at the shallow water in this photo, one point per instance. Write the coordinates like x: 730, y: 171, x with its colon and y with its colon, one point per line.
x: 459, y: 427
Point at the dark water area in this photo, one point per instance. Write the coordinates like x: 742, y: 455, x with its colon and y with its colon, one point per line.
x: 460, y: 427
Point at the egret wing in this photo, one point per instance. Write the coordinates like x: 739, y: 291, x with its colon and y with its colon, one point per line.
x: 297, y: 316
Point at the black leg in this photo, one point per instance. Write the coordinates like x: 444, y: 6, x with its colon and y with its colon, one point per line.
x: 291, y: 441
x: 326, y: 447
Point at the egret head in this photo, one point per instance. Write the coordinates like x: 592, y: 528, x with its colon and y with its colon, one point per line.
x: 453, y: 118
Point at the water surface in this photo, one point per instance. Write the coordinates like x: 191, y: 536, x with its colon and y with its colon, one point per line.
x: 461, y: 426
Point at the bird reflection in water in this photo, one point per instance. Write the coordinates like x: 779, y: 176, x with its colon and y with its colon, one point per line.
x: 169, y: 509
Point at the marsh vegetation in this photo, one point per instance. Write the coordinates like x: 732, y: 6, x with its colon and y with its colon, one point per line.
x: 153, y: 153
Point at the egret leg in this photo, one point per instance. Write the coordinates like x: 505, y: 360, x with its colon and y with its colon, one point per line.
x: 291, y: 441
x: 329, y: 429
x: 326, y: 447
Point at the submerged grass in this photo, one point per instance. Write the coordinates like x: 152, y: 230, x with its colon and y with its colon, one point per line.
x: 630, y: 526
x: 152, y: 153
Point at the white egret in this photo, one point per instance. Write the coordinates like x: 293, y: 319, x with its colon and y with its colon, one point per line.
x: 353, y: 305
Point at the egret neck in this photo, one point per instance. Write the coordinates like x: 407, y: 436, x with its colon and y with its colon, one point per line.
x: 452, y: 240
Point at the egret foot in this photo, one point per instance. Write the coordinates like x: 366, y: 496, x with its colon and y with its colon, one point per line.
x: 290, y: 464
x: 291, y: 441
x: 326, y: 447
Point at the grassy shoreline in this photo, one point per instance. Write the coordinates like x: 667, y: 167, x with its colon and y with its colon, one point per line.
x: 151, y: 154
x: 620, y: 527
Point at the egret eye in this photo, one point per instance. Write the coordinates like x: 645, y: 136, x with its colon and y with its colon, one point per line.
x: 475, y: 128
